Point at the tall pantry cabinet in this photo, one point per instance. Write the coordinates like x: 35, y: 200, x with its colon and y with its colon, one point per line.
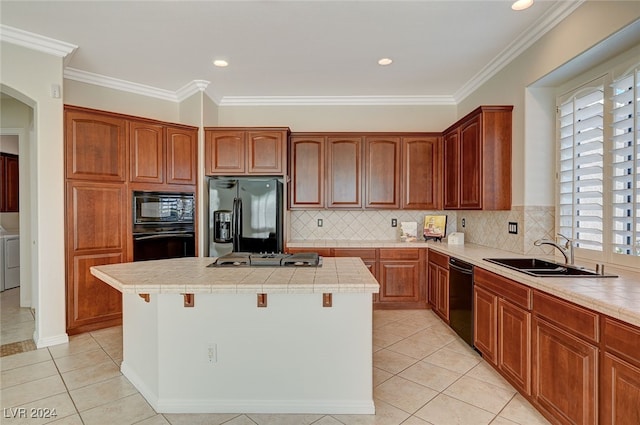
x: 96, y: 215
x: 107, y: 157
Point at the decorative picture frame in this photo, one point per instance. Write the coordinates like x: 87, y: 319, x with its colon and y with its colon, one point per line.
x: 435, y: 227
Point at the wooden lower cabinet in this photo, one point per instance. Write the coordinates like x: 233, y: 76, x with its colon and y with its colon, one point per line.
x: 399, y: 271
x: 620, y: 374
x: 485, y: 323
x: 565, y: 360
x: 502, y: 326
x: 564, y: 374
x: 514, y: 344
x: 620, y: 401
x: 95, y: 235
x: 401, y: 278
x: 438, y: 284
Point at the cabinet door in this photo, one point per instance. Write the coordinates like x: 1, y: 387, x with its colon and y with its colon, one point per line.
x: 442, y: 296
x: 399, y: 281
x: 182, y: 156
x: 382, y: 172
x: 95, y: 235
x: 564, y: 374
x: 432, y: 283
x: 470, y: 165
x: 265, y: 152
x: 225, y: 152
x: 307, y: 172
x: 421, y: 173
x: 485, y: 323
x: 146, y: 151
x: 514, y: 344
x: 95, y: 146
x: 11, y: 177
x: 620, y: 396
x: 343, y: 172
x: 451, y: 170
x: 3, y: 189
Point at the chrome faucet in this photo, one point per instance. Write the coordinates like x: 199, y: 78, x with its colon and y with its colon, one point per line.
x: 567, y: 248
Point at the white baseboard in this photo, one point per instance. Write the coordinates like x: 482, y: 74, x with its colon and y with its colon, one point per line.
x: 49, y: 341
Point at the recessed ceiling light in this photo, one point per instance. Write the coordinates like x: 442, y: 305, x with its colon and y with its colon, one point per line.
x: 385, y: 61
x: 220, y: 63
x: 521, y: 4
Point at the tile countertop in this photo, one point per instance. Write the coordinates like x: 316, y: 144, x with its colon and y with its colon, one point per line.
x: 617, y: 297
x: 191, y: 275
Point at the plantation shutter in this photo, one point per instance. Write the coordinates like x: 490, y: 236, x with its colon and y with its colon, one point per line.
x: 581, y: 166
x: 625, y: 149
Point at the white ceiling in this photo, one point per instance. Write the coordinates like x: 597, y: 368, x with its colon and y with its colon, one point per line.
x: 290, y: 51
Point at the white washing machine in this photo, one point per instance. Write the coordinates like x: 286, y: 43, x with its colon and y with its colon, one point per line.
x: 9, y: 261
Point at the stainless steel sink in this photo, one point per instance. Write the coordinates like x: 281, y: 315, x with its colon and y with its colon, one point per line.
x: 544, y: 268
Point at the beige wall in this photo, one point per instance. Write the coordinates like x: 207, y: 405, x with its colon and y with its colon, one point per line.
x: 107, y: 99
x: 46, y: 169
x: 340, y: 118
x: 533, y: 129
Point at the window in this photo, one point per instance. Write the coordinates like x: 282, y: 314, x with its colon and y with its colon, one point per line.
x: 581, y: 167
x: 626, y: 164
x: 599, y: 168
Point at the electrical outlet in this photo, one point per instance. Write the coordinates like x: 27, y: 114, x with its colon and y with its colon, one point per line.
x: 320, y: 222
x: 464, y: 222
x: 211, y: 353
x: 513, y: 227
x: 394, y: 222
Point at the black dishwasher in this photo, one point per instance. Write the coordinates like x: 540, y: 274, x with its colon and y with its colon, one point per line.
x: 461, y: 299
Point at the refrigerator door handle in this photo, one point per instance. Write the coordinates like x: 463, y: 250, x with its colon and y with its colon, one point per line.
x: 237, y: 217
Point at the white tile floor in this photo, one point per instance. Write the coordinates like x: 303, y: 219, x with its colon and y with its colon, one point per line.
x: 423, y: 374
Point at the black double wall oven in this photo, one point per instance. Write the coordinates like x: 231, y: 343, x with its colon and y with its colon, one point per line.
x: 163, y: 225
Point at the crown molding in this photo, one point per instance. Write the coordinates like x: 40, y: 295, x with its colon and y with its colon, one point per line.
x: 553, y: 17
x: 36, y: 42
x: 189, y: 89
x: 335, y: 100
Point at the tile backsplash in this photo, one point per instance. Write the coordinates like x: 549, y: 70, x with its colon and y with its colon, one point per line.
x: 358, y: 225
x: 488, y: 228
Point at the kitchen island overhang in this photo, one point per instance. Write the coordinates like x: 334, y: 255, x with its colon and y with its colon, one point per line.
x: 196, y: 340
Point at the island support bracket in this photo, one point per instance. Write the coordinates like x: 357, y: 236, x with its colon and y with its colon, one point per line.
x: 327, y: 299
x: 145, y: 297
x: 262, y: 300
x: 189, y: 300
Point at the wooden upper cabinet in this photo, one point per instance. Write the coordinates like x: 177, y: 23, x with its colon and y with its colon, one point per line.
x: 146, y: 151
x: 421, y: 170
x: 306, y: 168
x: 95, y: 146
x: 265, y: 150
x: 470, y: 164
x: 181, y: 155
x: 477, y: 160
x: 240, y: 151
x: 9, y: 178
x: 344, y: 170
x: 451, y: 174
x: 162, y: 154
x: 225, y: 152
x: 382, y: 172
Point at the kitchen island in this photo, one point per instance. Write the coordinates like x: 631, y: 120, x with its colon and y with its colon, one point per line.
x: 200, y: 339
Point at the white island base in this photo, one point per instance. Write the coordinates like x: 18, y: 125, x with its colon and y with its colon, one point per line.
x: 226, y: 355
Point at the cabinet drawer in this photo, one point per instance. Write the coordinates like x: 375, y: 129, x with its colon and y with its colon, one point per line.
x: 325, y: 252
x: 399, y: 254
x: 506, y: 288
x: 364, y: 253
x: 621, y: 339
x: 566, y: 315
x: 439, y: 259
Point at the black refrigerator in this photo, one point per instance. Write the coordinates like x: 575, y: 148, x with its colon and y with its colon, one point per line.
x: 245, y: 215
